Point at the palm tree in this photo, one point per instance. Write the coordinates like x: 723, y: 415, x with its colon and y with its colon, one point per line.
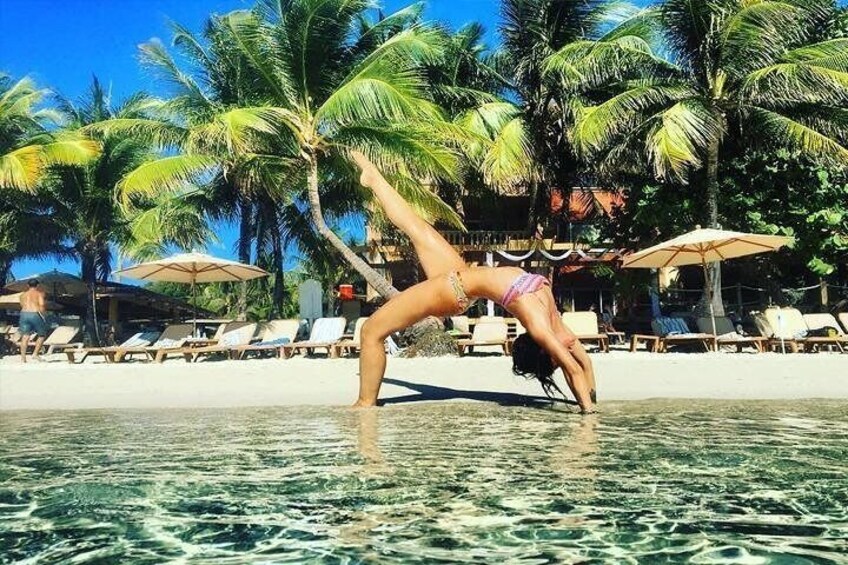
x: 26, y: 150
x: 533, y: 31
x: 321, y: 83
x: 757, y: 70
x: 82, y: 200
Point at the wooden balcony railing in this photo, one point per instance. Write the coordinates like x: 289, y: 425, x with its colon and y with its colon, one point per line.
x: 472, y: 239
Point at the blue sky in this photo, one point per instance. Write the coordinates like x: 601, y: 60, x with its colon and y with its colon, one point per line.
x: 63, y: 43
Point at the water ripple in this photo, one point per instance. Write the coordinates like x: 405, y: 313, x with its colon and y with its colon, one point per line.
x: 657, y: 482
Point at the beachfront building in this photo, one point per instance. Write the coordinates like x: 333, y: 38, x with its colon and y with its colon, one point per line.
x: 567, y: 249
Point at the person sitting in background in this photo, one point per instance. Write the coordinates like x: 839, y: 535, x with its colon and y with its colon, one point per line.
x: 606, y: 320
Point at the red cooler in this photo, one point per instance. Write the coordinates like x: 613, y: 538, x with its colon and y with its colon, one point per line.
x: 346, y: 292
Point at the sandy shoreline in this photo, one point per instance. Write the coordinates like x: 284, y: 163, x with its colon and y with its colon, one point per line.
x: 621, y: 376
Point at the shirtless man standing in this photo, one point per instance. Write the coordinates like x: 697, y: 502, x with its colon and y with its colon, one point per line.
x: 32, y: 319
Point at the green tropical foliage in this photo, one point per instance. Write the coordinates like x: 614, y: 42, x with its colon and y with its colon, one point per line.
x: 702, y: 112
x: 80, y: 202
x: 324, y: 81
x: 738, y: 68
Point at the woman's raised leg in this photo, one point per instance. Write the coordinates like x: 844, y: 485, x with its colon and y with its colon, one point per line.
x: 436, y: 255
x: 429, y: 298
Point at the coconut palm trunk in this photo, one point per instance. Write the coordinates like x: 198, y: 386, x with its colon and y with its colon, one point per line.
x: 88, y: 257
x: 714, y: 278
x: 371, y: 276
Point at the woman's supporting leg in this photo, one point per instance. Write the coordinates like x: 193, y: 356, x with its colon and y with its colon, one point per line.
x: 436, y: 255
x: 429, y: 298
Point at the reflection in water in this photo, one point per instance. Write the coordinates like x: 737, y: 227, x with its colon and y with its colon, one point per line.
x: 641, y: 482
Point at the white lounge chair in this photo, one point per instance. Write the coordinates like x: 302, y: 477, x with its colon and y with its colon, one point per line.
x: 173, y: 337
x: 585, y: 327
x: 354, y: 343
x: 235, y: 335
x: 325, y: 334
x: 273, y: 336
x: 727, y: 335
x: 140, y: 339
x: 61, y: 339
x: 486, y: 333
x: 817, y: 322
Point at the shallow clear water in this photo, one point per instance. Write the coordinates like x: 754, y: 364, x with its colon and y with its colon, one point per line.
x: 653, y: 482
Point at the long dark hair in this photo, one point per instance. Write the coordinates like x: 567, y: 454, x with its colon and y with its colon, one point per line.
x: 530, y: 361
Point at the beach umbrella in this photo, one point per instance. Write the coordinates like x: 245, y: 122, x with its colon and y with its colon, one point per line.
x: 55, y: 283
x: 13, y: 302
x: 193, y: 268
x: 703, y: 246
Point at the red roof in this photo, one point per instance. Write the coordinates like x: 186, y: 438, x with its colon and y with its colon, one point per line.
x: 586, y: 203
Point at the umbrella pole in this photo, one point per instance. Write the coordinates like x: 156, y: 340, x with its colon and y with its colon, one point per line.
x: 709, y: 283
x: 194, y: 305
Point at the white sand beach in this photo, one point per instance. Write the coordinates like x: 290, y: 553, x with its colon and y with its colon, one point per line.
x: 299, y: 381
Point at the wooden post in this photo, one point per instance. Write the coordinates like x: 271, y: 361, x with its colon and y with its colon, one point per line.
x: 824, y: 298
x: 113, y: 315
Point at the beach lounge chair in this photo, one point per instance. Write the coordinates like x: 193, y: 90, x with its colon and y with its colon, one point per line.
x: 819, y: 322
x: 234, y: 336
x: 519, y: 329
x: 140, y: 339
x: 173, y: 337
x: 491, y: 332
x: 674, y: 331
x: 843, y: 319
x: 787, y: 331
x: 727, y: 335
x: 354, y: 343
x: 326, y: 333
x: 273, y: 335
x: 461, y: 327
x: 60, y: 339
x: 585, y: 327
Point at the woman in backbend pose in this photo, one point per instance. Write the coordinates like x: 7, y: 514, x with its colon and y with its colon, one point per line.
x: 451, y: 287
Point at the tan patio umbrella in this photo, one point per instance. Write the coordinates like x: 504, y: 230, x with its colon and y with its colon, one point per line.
x: 193, y: 268
x: 703, y: 246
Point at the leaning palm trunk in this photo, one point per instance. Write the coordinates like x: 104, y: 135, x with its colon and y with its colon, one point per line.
x: 427, y: 333
x: 371, y: 276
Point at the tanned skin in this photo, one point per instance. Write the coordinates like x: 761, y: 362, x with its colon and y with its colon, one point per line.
x: 32, y: 300
x: 537, y: 312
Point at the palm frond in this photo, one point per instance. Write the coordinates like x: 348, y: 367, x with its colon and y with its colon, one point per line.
x: 679, y: 137
x: 796, y: 82
x: 782, y: 130
x: 21, y: 169
x: 168, y: 174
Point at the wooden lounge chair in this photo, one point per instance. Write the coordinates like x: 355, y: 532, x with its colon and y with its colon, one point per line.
x: 674, y: 331
x: 585, y: 327
x: 61, y: 339
x: 491, y: 332
x: 461, y: 327
x: 234, y: 336
x: 273, y: 335
x: 816, y: 322
x: 726, y: 334
x: 140, y: 339
x: 354, y: 343
x: 519, y: 329
x: 843, y: 319
x: 173, y: 337
x: 325, y: 334
x: 787, y: 331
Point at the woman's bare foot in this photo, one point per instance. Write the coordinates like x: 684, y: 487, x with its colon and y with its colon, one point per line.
x: 370, y: 174
x: 363, y: 404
